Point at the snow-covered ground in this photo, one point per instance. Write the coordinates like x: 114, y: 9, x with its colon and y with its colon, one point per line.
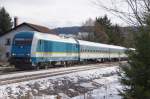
x: 99, y: 83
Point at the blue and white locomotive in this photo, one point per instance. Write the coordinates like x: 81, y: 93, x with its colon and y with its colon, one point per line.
x: 34, y: 49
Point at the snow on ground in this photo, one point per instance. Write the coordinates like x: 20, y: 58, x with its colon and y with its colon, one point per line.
x: 108, y: 90
x: 91, y: 84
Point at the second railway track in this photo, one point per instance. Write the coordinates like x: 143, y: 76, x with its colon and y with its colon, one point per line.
x: 32, y: 75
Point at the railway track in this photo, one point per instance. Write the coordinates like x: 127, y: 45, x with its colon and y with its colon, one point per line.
x: 31, y: 75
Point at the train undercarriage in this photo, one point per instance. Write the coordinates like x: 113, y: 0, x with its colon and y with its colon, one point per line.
x: 25, y: 62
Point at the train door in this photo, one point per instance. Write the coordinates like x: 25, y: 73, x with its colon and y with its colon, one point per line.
x: 69, y: 50
x: 41, y: 46
x: 78, y: 49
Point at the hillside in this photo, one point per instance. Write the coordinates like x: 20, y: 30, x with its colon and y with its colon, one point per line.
x: 68, y: 30
x: 77, y: 29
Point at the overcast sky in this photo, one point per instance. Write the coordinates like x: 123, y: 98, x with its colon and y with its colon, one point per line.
x: 55, y: 13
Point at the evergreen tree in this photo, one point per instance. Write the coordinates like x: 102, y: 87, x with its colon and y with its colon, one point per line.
x: 99, y: 33
x: 115, y: 35
x: 129, y: 37
x: 101, y: 27
x: 104, y: 21
x: 136, y: 76
x: 108, y: 33
x: 5, y: 21
x: 103, y: 31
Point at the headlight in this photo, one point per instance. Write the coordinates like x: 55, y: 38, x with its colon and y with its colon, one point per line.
x: 28, y: 54
x: 13, y: 54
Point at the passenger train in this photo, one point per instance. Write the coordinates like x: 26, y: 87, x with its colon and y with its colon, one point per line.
x: 33, y: 49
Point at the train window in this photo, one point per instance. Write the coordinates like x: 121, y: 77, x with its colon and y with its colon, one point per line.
x: 22, y: 41
x: 40, y: 42
x: 76, y: 46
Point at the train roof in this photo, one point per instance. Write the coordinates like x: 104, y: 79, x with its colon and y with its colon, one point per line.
x: 87, y: 43
x: 53, y: 37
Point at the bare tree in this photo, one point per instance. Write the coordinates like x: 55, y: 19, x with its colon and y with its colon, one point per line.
x: 87, y: 30
x: 132, y: 13
x: 89, y: 22
x: 135, y: 75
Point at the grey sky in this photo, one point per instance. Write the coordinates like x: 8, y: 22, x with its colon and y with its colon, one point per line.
x: 55, y: 13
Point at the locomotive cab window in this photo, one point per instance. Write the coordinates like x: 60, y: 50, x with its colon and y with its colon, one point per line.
x: 40, y: 42
x: 21, y: 41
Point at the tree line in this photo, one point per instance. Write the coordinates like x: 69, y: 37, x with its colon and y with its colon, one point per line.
x: 102, y: 30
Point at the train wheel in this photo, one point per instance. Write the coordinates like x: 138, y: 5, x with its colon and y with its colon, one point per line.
x: 66, y: 64
x: 37, y: 67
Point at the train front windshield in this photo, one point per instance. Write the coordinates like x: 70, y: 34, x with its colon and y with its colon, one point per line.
x: 22, y: 41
